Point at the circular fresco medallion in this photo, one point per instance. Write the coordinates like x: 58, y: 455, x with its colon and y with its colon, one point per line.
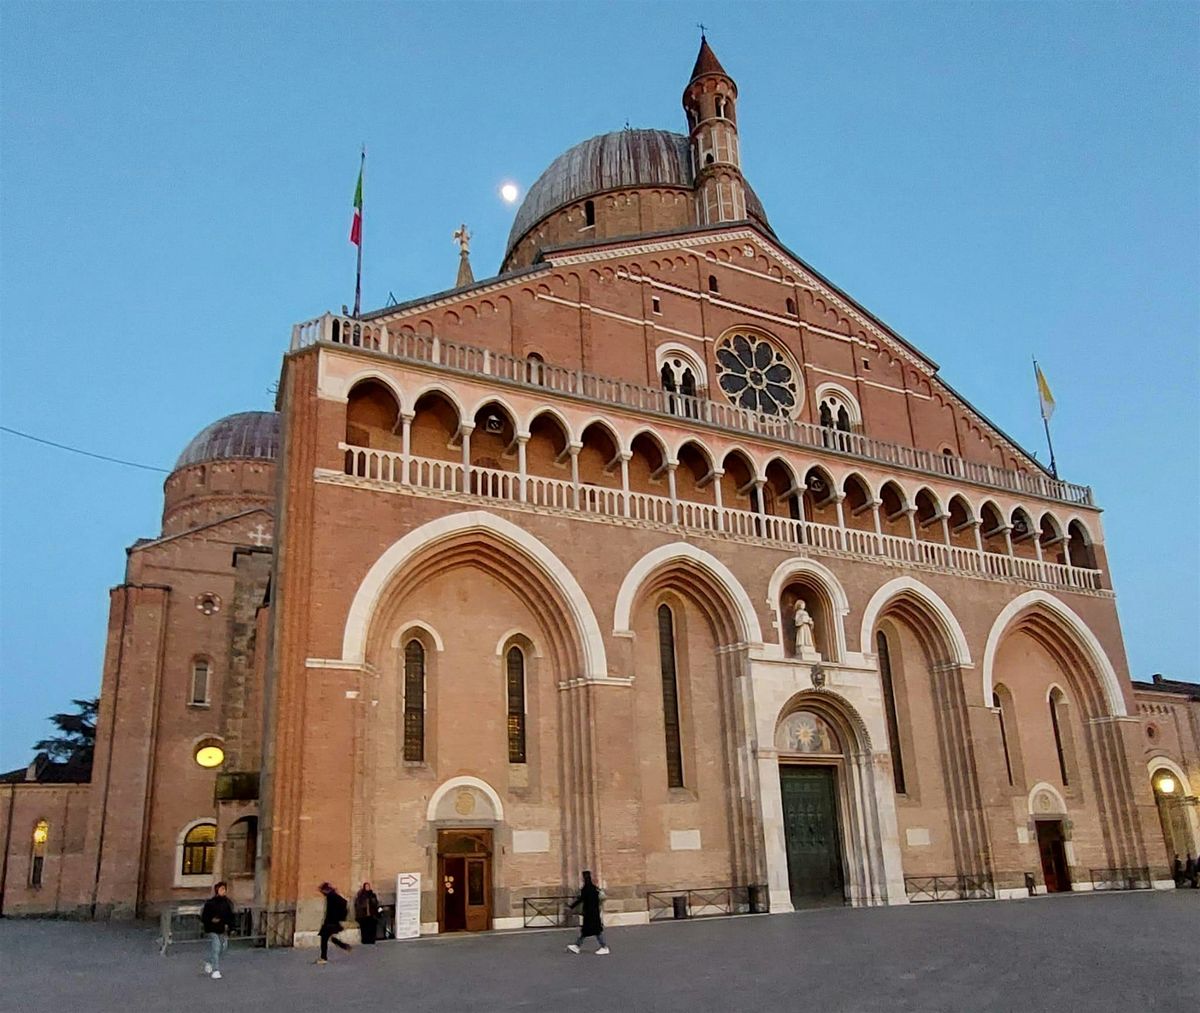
x: 754, y: 374
x: 464, y: 802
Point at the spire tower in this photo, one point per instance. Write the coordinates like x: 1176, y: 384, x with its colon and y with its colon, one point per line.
x: 710, y: 102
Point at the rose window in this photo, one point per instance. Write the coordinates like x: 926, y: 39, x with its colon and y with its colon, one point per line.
x: 755, y: 375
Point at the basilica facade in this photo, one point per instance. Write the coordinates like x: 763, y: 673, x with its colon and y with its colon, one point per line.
x: 656, y: 554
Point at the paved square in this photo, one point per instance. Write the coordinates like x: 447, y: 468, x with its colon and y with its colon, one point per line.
x: 1126, y: 952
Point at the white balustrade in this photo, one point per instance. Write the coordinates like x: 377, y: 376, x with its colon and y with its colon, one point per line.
x: 450, y: 477
x: 469, y: 359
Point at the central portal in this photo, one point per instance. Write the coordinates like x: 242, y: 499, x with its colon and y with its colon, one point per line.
x: 1052, y: 850
x: 811, y: 830
x: 464, y: 880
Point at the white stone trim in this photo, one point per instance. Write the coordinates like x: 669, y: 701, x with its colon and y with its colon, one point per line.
x: 622, y: 614
x: 205, y: 879
x: 1047, y: 787
x: 950, y: 625
x: 790, y: 568
x: 393, y: 560
x: 1165, y: 763
x: 1084, y: 636
x: 424, y: 627
x: 464, y: 781
x: 336, y: 664
x: 844, y: 395
x: 1163, y: 884
x: 338, y: 388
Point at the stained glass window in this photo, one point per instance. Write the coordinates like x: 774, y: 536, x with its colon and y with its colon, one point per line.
x: 516, y: 705
x: 889, y: 703
x: 806, y: 732
x: 200, y: 850
x: 670, y: 694
x: 414, y: 701
x: 753, y: 374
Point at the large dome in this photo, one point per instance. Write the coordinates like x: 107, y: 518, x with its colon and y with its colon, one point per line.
x: 624, y: 158
x: 235, y: 437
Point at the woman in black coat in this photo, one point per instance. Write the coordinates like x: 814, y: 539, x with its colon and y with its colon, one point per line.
x: 589, y: 900
x: 366, y: 913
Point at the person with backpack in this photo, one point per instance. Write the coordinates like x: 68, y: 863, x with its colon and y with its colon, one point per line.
x: 336, y: 910
x: 216, y: 918
x: 589, y: 900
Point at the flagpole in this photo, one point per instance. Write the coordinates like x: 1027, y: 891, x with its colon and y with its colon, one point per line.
x: 358, y: 273
x: 1045, y: 422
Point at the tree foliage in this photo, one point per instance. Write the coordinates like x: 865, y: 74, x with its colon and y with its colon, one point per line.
x: 76, y: 738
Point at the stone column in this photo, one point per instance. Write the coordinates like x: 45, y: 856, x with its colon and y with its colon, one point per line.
x: 574, y: 449
x: 626, y: 456
x: 406, y: 418
x: 466, y: 428
x: 522, y: 475
x: 671, y: 466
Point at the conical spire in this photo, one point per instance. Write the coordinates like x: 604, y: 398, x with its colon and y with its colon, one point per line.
x: 706, y: 61
x: 465, y: 275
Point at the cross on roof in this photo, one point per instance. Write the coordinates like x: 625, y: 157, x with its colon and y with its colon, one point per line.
x: 463, y: 238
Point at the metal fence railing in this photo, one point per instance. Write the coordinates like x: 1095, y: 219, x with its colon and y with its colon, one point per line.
x: 923, y: 889
x: 547, y: 912
x: 707, y: 901
x: 1128, y: 878
x: 260, y: 927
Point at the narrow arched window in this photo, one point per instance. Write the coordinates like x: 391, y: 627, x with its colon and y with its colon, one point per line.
x: 791, y: 306
x: 1003, y: 736
x: 826, y: 415
x: 200, y: 673
x: 712, y: 283
x: 843, y: 419
x: 889, y: 702
x: 199, y: 850
x: 37, y: 852
x: 516, y: 705
x: 535, y: 368
x: 688, y: 386
x: 589, y: 212
x: 414, y: 701
x: 668, y: 378
x: 1055, y: 702
x: 670, y: 696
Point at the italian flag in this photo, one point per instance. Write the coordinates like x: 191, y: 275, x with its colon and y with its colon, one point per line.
x: 356, y: 224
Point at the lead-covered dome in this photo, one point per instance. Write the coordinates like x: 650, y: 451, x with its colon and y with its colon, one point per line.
x: 245, y: 435
x: 620, y: 160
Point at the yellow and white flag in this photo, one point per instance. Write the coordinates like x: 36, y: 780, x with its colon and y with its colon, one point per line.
x: 1044, y: 395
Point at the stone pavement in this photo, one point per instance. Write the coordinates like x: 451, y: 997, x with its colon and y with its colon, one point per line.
x: 1074, y: 953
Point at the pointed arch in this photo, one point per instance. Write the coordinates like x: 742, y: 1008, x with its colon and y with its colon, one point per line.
x: 1060, y: 614
x: 688, y: 556
x: 827, y: 581
x: 908, y: 587
x: 571, y: 597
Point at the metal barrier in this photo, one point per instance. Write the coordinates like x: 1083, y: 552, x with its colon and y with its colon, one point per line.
x: 547, y: 912
x: 1131, y: 878
x: 181, y: 924
x: 707, y: 902
x: 925, y: 889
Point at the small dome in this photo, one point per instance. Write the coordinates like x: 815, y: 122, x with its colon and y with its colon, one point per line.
x: 624, y: 158
x: 235, y: 437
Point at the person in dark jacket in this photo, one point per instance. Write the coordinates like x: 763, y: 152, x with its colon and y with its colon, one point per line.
x: 1189, y: 870
x: 589, y: 900
x: 216, y: 918
x: 1177, y: 871
x: 336, y: 912
x: 366, y: 913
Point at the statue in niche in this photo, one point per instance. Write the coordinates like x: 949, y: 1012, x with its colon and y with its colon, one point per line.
x: 803, y: 622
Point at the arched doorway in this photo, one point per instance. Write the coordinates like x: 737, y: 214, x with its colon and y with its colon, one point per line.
x: 810, y: 762
x: 1175, y: 803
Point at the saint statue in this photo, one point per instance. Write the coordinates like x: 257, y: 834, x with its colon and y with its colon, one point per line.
x: 804, y: 629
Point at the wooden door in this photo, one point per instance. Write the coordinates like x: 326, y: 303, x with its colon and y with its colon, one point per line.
x: 465, y: 880
x: 1053, y: 853
x: 811, y: 833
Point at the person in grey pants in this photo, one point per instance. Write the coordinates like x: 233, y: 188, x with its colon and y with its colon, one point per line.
x: 217, y: 920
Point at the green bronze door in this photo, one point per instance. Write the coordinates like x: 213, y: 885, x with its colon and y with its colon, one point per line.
x: 811, y: 830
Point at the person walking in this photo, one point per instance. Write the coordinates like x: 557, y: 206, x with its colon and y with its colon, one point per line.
x: 589, y: 900
x: 336, y: 911
x: 1177, y: 872
x: 216, y: 918
x: 1189, y: 870
x: 366, y: 913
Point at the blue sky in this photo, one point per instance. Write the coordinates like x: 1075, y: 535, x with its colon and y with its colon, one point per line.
x: 175, y: 182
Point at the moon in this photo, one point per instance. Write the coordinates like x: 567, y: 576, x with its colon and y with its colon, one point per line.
x: 509, y: 192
